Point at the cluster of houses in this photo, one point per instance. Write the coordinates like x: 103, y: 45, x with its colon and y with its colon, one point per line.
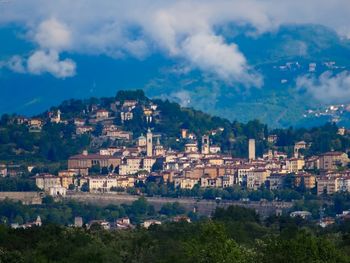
x: 202, y: 166
x: 200, y: 163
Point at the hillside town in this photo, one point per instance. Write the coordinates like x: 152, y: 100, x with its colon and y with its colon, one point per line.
x: 120, y: 161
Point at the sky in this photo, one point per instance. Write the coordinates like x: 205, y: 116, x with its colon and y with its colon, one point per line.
x: 183, y: 29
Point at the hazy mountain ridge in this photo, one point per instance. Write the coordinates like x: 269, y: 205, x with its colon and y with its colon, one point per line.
x: 277, y: 103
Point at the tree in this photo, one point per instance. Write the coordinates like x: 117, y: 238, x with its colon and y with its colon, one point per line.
x: 85, y: 187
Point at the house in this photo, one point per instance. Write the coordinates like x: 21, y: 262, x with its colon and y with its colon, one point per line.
x: 102, y: 183
x: 102, y: 114
x: 214, y: 149
x: 328, y: 184
x: 66, y: 181
x: 185, y: 183
x: 78, y: 221
x: 333, y: 160
x: 126, y: 115
x: 3, y: 170
x: 272, y: 138
x: 47, y: 181
x: 102, y: 223
x: 79, y: 122
x: 147, y: 163
x: 35, y: 123
x: 83, y: 130
x: 123, y: 223
x: 191, y: 148
x: 57, y: 191
x: 55, y: 117
x: 146, y: 224
x: 141, y: 141
x: 275, y: 181
x: 299, y: 146
x: 256, y: 178
x: 130, y: 165
x: 312, y: 163
x: 105, y: 183
x: 307, y: 179
x: 130, y: 103
x: 294, y: 165
x: 36, y: 223
x: 302, y: 214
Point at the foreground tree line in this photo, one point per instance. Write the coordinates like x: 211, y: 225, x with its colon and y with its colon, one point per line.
x: 232, y: 235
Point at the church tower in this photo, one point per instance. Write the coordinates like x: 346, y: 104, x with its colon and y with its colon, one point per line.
x: 149, y: 137
x: 205, y: 144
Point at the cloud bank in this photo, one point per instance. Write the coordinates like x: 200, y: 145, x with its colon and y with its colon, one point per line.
x: 327, y: 88
x: 181, y: 29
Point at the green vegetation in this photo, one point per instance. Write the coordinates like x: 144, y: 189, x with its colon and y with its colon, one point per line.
x: 64, y: 212
x: 56, y: 142
x: 17, y: 184
x: 233, y: 235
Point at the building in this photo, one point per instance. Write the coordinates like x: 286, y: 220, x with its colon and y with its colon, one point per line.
x: 341, y: 131
x: 57, y: 191
x: 214, y: 149
x: 149, y: 144
x: 257, y: 178
x: 333, y: 160
x: 327, y: 185
x: 251, y: 149
x: 78, y: 221
x: 191, y: 148
x: 312, y: 163
x: 185, y: 183
x: 130, y: 165
x: 102, y: 114
x: 297, y: 147
x: 3, y: 170
x: 105, y: 183
x: 84, y: 161
x: 205, y: 144
x: 47, y: 181
x: 146, y: 224
x: 83, y: 130
x: 141, y: 141
x: 184, y: 133
x: 123, y: 223
x: 275, y: 181
x: 308, y: 180
x: 147, y: 164
x: 295, y: 165
x: 302, y: 214
x: 272, y: 138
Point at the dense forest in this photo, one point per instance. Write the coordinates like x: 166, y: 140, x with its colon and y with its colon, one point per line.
x: 232, y: 235
x: 56, y: 142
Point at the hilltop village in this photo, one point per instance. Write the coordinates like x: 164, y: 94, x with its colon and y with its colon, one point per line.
x: 116, y: 160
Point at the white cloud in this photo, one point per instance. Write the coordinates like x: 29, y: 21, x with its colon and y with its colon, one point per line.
x: 210, y: 53
x: 49, y: 62
x: 174, y: 27
x: 327, y: 88
x: 53, y: 34
x: 39, y: 62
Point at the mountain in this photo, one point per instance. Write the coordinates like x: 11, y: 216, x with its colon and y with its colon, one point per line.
x: 280, y: 57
